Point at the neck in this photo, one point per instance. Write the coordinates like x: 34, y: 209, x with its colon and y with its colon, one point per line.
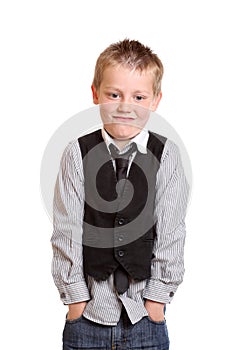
x: 120, y: 143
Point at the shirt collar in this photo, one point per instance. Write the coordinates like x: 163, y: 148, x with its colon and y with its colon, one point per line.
x: 140, y: 140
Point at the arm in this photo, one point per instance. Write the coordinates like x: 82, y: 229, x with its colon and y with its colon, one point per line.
x: 167, y: 266
x: 67, y: 263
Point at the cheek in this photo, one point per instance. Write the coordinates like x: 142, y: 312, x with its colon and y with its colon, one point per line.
x: 107, y: 108
x: 142, y: 120
x: 148, y: 104
x: 106, y: 111
x: 142, y: 113
x: 104, y: 99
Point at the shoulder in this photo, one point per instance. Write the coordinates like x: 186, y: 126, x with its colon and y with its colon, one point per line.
x: 71, y: 156
x: 77, y: 148
x: 73, y: 148
x: 169, y: 148
x: 164, y: 148
x: 90, y: 140
x: 158, y: 137
x: 171, y: 152
x: 156, y: 144
x: 92, y: 137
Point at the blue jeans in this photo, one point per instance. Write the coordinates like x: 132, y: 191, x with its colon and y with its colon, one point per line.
x: 146, y: 334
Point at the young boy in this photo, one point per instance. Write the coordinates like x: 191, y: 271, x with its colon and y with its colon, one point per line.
x: 119, y: 208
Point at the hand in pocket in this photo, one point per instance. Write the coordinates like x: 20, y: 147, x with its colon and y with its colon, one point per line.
x: 76, y: 310
x: 155, y: 310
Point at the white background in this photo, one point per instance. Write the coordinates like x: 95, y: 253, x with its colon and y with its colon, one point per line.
x: 48, y: 53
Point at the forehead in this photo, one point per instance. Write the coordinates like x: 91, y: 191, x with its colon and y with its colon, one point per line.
x: 127, y: 75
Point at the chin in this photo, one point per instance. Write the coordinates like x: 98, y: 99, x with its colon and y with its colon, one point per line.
x: 122, y: 132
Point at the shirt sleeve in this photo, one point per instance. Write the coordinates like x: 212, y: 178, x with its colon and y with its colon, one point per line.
x: 172, y: 190
x: 68, y: 208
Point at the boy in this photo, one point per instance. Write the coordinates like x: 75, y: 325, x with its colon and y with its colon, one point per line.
x: 119, y: 207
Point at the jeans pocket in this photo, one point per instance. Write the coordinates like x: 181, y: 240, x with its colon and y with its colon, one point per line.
x: 159, y: 323
x: 75, y: 320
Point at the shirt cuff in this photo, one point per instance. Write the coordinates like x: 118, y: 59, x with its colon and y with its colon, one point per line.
x: 157, y: 291
x: 74, y: 293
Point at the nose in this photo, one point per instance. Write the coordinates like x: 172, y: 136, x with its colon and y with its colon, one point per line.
x: 124, y: 107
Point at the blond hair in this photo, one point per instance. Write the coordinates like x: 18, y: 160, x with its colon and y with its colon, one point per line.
x: 132, y: 54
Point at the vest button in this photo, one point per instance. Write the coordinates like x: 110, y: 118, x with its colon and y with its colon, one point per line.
x: 121, y: 253
x: 121, y: 221
x: 120, y: 238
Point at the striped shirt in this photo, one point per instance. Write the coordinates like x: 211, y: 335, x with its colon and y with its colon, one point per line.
x: 167, y: 266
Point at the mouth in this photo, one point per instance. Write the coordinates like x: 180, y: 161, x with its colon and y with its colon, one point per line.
x: 123, y: 119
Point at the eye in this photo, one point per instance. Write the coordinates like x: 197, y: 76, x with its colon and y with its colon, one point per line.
x: 139, y: 98
x: 114, y: 95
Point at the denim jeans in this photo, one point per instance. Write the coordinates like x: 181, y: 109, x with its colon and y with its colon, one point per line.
x: 146, y: 334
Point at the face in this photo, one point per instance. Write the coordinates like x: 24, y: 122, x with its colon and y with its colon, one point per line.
x: 126, y: 98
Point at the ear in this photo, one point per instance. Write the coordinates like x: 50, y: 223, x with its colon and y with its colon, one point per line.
x: 94, y: 95
x: 156, y: 101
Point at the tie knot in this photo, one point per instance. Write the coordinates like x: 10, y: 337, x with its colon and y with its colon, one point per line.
x: 121, y: 160
x: 116, y: 155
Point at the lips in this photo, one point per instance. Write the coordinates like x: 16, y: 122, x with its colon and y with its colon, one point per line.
x: 124, y: 119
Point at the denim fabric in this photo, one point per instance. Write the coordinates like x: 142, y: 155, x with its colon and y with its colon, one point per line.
x: 146, y: 334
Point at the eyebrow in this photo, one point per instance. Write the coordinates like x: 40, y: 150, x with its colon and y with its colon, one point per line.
x: 119, y: 90
x: 141, y: 92
x: 111, y: 88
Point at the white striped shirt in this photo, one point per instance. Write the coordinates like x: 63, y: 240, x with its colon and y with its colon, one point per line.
x: 167, y: 267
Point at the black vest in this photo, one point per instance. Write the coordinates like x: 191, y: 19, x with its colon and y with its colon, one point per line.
x: 119, y: 231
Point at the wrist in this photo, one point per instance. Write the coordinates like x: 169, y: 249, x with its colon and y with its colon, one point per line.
x: 76, y: 310
x: 154, y: 303
x: 77, y: 305
x: 155, y: 310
